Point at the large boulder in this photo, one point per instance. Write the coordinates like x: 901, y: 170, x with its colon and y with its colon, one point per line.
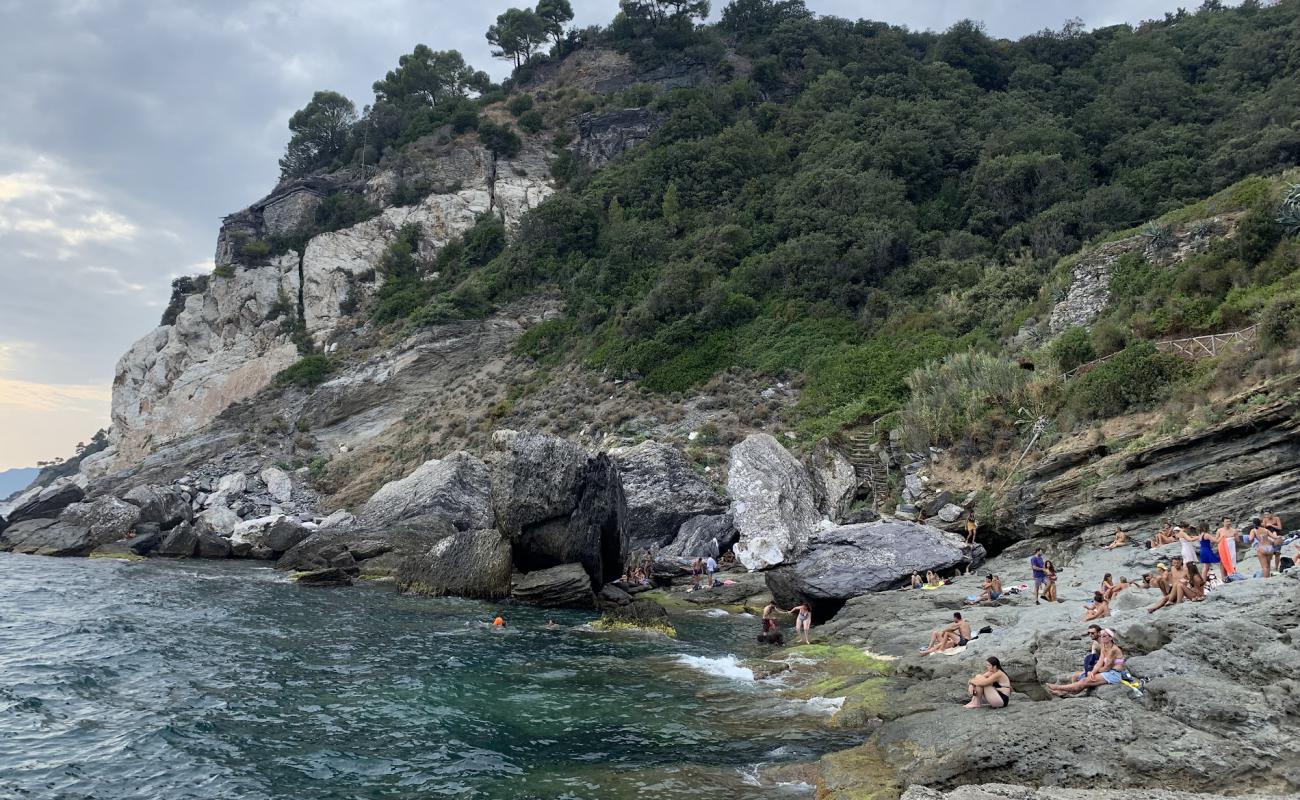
x: 47, y: 537
x: 709, y: 535
x: 661, y: 491
x: 464, y: 564
x: 181, y: 542
x: 638, y: 614
x: 47, y: 503
x: 278, y: 484
x: 211, y: 545
x: 333, y: 576
x: 565, y: 586
x: 221, y: 518
x: 284, y: 534
x: 317, y: 552
x: 107, y: 518
x: 374, y: 551
x: 591, y: 534
x: 834, y: 480
x: 536, y: 478
x: 772, y: 502
x: 853, y: 560
x: 458, y: 487
x: 160, y: 504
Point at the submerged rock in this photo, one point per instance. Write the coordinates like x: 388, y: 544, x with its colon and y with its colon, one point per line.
x: 772, y: 502
x: 639, y: 614
x: 324, y: 577
x: 565, y: 586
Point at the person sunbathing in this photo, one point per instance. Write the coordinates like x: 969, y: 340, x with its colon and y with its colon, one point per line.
x: 991, y: 590
x: 1108, y: 669
x: 1107, y: 583
x: 1121, y: 539
x: 954, y: 634
x: 1191, y: 587
x: 1100, y: 608
x: 1165, y: 535
x: 990, y: 688
x: 932, y: 579
x: 1119, y: 586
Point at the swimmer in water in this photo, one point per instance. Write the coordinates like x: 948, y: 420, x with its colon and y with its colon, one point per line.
x: 498, y: 622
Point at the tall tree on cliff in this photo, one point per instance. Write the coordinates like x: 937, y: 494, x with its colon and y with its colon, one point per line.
x: 429, y: 78
x: 555, y: 14
x: 517, y: 33
x: 320, y: 132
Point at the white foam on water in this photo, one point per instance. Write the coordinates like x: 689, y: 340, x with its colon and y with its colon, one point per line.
x: 717, y: 612
x: 824, y: 705
x: 721, y: 666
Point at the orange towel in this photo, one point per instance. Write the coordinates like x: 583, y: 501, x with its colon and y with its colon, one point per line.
x: 1225, y: 558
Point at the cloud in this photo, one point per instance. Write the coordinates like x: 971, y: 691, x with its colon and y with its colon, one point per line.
x: 30, y: 396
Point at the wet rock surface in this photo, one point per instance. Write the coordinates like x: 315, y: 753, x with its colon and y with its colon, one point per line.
x: 565, y: 586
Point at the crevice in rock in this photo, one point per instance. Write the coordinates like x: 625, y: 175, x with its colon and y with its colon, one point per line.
x: 302, y: 306
x: 492, y: 185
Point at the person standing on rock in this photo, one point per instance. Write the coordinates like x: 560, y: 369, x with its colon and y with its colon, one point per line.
x: 710, y: 567
x: 802, y: 621
x: 1049, y: 591
x: 1227, y: 543
x: 1262, y: 538
x: 770, y: 611
x: 1274, y: 524
x: 697, y: 569
x: 971, y: 526
x: 1038, y: 565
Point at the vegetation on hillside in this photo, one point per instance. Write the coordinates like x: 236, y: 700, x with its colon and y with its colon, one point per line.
x: 851, y: 201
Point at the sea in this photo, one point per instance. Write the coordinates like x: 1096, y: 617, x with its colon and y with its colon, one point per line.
x: 210, y: 679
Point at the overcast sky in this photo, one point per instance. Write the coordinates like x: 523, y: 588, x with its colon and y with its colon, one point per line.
x: 128, y: 128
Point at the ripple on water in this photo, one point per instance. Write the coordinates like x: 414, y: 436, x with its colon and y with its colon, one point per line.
x: 223, y: 681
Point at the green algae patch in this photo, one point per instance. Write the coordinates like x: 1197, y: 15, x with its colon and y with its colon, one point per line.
x: 843, y: 671
x: 610, y: 625
x: 841, y: 659
x: 677, y: 602
x: 859, y: 773
x: 127, y: 556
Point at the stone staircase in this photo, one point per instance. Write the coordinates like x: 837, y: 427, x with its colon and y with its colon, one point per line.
x: 872, y: 472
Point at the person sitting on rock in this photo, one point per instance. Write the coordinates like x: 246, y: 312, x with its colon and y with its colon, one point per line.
x: 1090, y: 659
x: 1108, y: 669
x: 990, y: 688
x: 1121, y: 539
x: 1049, y: 591
x: 1165, y: 535
x: 916, y: 580
x: 932, y: 578
x: 1107, y: 583
x: 991, y: 590
x: 1191, y: 587
x: 1119, y: 586
x: 1099, y: 608
x: 954, y: 634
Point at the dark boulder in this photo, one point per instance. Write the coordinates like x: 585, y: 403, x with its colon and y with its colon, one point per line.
x: 106, y: 518
x: 661, y: 491
x: 565, y: 586
x: 317, y: 552
x: 350, y: 546
x: 853, y: 560
x: 324, y: 578
x: 146, y: 540
x: 284, y: 534
x: 47, y: 537
x: 536, y: 478
x: 464, y: 564
x: 611, y: 595
x: 181, y: 542
x: 703, y: 536
x: 642, y: 614
x: 210, y: 545
x: 47, y: 503
x: 160, y: 504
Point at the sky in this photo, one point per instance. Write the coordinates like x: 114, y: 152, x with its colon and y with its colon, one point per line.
x: 128, y: 128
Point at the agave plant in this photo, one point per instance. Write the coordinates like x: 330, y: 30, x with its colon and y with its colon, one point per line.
x: 1204, y: 228
x: 1159, y: 237
x: 1288, y: 211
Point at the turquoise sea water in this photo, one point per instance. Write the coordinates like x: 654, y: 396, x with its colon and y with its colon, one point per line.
x: 221, y: 680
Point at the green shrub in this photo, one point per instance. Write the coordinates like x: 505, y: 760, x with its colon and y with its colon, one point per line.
x: 531, y: 121
x: 519, y: 104
x: 948, y: 398
x: 343, y: 210
x: 503, y: 142
x: 1279, y: 323
x: 464, y: 119
x: 545, y: 342
x: 255, y: 248
x: 1072, y: 348
x: 1137, y: 376
x: 309, y: 371
x: 224, y: 270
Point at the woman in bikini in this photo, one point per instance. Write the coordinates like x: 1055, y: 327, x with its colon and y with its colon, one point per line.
x: 1049, y: 592
x: 1107, y: 584
x: 1100, y: 608
x: 1262, y: 538
x: 1108, y: 669
x: 990, y: 688
x: 803, y: 621
x: 1274, y: 524
x: 1120, y: 585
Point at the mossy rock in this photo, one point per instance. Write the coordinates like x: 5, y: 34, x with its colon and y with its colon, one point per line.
x: 610, y: 625
x: 859, y: 773
x: 841, y: 659
x: 126, y: 555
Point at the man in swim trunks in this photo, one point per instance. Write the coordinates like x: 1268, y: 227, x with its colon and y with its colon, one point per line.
x: 954, y: 634
x: 1038, y: 566
x: 769, y: 617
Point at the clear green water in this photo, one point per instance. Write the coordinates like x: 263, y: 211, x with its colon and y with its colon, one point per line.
x: 220, y: 680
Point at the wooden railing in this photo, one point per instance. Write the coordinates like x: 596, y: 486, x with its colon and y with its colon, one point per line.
x: 1206, y: 346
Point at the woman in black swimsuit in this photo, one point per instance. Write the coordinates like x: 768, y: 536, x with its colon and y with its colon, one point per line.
x: 991, y: 688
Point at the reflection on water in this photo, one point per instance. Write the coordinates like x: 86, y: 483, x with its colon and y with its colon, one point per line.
x: 221, y: 680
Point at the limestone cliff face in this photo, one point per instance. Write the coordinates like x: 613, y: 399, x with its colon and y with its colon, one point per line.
x: 229, y: 340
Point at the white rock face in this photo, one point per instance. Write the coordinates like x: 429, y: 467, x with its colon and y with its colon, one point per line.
x: 232, y: 483
x: 457, y: 487
x: 223, y: 349
x: 278, y: 484
x: 773, y: 502
x: 221, y: 518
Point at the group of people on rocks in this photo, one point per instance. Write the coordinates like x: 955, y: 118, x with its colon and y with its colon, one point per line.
x: 1219, y: 548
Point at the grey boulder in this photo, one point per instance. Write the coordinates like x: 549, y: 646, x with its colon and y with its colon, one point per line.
x: 160, y: 504
x: 464, y: 564
x: 47, y: 503
x: 535, y: 478
x: 332, y: 576
x: 47, y: 537
x: 458, y: 487
x: 284, y: 534
x: 181, y: 542
x: 565, y: 586
x: 210, y: 545
x: 106, y: 518
x: 708, y: 535
x: 834, y: 480
x: 278, y: 484
x: 853, y: 560
x: 661, y: 492
x: 591, y: 534
x: 772, y: 502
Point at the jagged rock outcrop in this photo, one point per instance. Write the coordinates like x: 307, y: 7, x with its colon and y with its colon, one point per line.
x: 457, y: 487
x: 106, y: 518
x: 602, y: 137
x: 536, y: 478
x: 45, y: 503
x: 662, y: 492
x: 834, y: 480
x: 161, y: 504
x: 181, y: 542
x: 852, y: 560
x: 47, y: 537
x: 564, y: 586
x: 473, y: 563
x: 708, y: 535
x: 772, y: 502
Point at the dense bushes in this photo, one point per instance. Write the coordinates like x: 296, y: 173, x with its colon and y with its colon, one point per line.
x: 309, y: 371
x: 1136, y: 376
x: 948, y: 399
